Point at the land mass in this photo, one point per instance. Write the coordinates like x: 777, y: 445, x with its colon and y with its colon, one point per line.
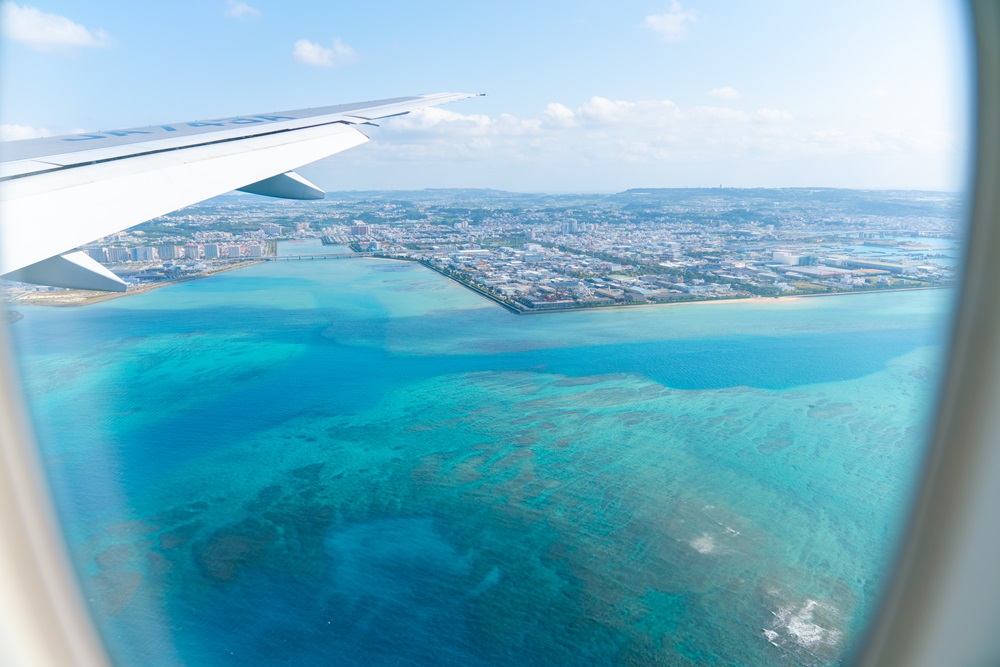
x: 545, y: 252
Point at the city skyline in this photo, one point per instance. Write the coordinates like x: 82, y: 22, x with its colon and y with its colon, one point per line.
x: 579, y: 97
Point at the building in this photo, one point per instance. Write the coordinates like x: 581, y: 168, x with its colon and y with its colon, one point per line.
x: 169, y: 252
x: 271, y: 229
x: 361, y: 229
x: 571, y: 226
x: 143, y: 254
x: 118, y: 254
x: 211, y: 250
x: 868, y: 264
x: 233, y: 252
x: 255, y: 250
x: 192, y: 251
x: 785, y: 257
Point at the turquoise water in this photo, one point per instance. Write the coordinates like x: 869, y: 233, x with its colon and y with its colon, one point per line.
x: 358, y: 462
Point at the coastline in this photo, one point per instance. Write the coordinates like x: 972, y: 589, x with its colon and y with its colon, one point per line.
x: 758, y: 300
x: 791, y: 298
x: 75, y: 298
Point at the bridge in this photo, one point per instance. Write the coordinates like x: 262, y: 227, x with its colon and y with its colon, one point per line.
x: 292, y: 258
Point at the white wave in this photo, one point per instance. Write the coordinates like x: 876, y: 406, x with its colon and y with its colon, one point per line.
x: 799, y: 625
x: 704, y: 544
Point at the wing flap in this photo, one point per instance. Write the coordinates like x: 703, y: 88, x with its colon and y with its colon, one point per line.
x: 285, y: 186
x: 74, y: 270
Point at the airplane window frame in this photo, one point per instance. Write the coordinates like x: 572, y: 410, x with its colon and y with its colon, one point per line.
x: 941, y: 604
x: 43, y: 617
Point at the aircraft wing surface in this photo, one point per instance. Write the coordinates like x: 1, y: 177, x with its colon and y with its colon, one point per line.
x: 58, y: 193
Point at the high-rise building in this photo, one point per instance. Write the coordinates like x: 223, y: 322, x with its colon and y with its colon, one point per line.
x: 97, y: 254
x: 233, y: 252
x: 211, y: 250
x: 117, y: 254
x: 169, y: 251
x: 271, y: 229
x: 143, y: 254
x: 361, y: 229
x: 192, y: 251
x: 255, y: 250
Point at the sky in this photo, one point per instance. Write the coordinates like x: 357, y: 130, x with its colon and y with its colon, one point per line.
x: 581, y: 96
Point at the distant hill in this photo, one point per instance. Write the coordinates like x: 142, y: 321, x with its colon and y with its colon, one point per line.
x: 752, y: 203
x: 830, y: 200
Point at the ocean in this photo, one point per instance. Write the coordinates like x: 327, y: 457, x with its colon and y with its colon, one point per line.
x: 359, y: 462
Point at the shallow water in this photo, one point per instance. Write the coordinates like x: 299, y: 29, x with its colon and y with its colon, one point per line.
x: 358, y: 462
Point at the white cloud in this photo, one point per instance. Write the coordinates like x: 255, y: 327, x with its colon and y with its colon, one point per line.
x: 600, y: 111
x: 602, y: 130
x: 312, y: 53
x: 560, y: 114
x: 240, y: 10
x: 724, y: 93
x: 772, y: 116
x: 604, y: 143
x: 513, y: 126
x: 603, y: 110
x: 672, y: 24
x: 437, y: 119
x: 45, y: 32
x: 14, y: 132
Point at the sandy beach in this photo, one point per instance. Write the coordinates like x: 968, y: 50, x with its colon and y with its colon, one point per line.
x: 87, y: 297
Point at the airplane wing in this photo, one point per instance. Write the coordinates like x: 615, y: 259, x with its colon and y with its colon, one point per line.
x: 59, y: 193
